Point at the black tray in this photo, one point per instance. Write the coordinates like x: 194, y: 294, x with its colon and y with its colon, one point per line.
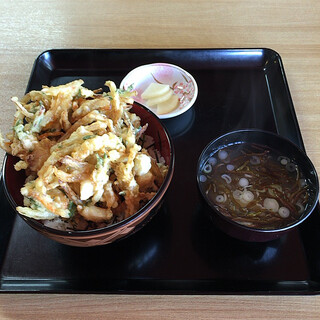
x: 180, y: 250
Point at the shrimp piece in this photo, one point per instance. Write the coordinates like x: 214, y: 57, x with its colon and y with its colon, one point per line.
x: 146, y: 182
x: 109, y: 196
x: 95, y: 214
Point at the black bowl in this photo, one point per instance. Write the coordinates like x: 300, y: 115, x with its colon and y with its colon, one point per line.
x: 277, y: 143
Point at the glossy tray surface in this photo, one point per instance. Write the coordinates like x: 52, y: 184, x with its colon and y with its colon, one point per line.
x: 180, y: 250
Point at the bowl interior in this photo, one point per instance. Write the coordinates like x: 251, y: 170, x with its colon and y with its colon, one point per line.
x: 275, y: 142
x: 14, y: 180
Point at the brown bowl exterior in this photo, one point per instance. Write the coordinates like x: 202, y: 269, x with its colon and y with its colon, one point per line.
x: 273, y: 141
x: 14, y: 180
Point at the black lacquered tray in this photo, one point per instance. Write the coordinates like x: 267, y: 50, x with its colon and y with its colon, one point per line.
x: 180, y: 250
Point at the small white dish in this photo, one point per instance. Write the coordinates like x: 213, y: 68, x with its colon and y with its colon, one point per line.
x: 180, y: 81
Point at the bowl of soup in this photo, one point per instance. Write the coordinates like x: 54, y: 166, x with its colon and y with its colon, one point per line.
x: 258, y: 185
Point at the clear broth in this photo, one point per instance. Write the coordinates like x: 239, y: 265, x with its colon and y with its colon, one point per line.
x: 254, y: 185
